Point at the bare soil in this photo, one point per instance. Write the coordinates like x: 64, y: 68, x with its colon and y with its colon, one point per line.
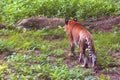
x: 2, y: 26
x: 101, y: 24
x: 40, y: 22
x: 104, y: 24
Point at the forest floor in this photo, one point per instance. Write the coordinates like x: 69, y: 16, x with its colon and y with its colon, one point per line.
x: 112, y: 74
x: 73, y: 61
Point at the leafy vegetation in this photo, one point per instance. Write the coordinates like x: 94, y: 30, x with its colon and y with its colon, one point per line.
x: 40, y: 54
x: 14, y: 10
x: 106, y: 43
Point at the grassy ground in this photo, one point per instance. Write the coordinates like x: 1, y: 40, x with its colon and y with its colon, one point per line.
x: 45, y: 55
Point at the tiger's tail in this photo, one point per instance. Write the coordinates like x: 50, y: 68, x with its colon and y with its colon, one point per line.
x: 92, y: 54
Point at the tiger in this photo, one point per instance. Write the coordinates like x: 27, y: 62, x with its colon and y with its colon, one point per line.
x: 82, y: 38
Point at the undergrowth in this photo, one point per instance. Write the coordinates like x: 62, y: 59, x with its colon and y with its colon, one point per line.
x: 40, y: 54
x: 14, y: 10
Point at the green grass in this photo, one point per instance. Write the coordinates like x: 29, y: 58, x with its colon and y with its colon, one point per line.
x: 39, y: 54
x: 106, y: 43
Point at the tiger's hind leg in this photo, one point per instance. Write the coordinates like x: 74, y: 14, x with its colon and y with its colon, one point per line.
x: 83, y: 57
x: 93, y: 58
x: 85, y: 64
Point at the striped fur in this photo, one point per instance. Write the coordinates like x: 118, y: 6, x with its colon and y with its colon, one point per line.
x: 82, y: 38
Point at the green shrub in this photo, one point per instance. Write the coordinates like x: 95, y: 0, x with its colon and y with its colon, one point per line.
x: 14, y: 10
x: 95, y: 9
x: 5, y: 46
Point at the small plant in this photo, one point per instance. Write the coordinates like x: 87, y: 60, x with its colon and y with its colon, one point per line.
x: 58, y: 52
x: 103, y: 77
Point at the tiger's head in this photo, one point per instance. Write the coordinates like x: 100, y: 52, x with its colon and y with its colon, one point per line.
x: 69, y: 23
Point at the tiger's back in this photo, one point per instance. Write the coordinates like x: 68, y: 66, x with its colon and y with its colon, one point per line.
x: 79, y: 35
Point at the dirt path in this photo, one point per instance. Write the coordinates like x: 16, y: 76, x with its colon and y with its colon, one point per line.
x: 101, y: 24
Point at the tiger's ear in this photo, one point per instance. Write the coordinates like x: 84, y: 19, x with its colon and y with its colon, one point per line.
x: 66, y: 20
x: 75, y: 19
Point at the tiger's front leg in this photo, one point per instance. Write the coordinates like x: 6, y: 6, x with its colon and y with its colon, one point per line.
x: 81, y: 58
x: 72, y: 48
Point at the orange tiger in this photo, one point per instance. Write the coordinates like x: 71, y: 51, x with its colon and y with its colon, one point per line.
x: 82, y: 38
